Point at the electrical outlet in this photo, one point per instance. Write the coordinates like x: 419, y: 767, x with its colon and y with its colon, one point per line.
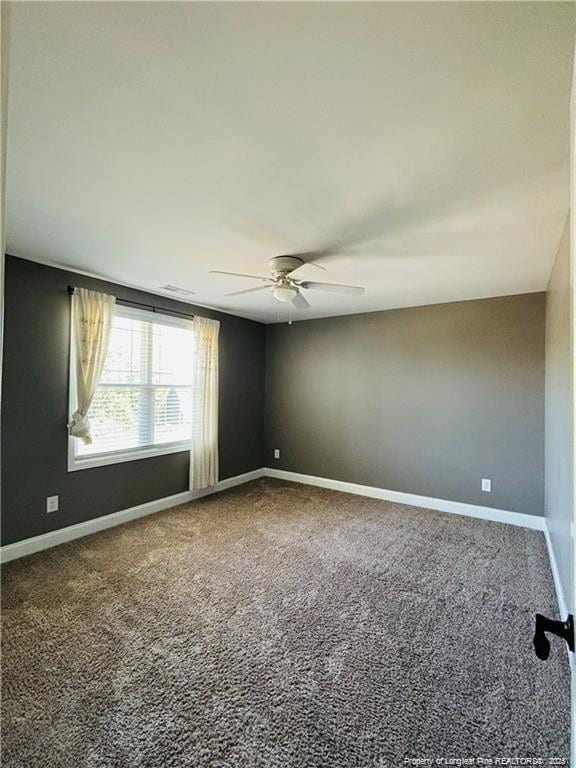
x: 486, y: 485
x: 276, y: 453
x: 52, y: 504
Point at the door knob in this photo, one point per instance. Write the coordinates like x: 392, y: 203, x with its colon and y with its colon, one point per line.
x: 564, y: 629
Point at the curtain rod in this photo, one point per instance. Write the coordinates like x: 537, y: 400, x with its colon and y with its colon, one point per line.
x: 130, y: 303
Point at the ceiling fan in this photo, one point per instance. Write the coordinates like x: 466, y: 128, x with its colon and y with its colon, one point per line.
x: 284, y: 287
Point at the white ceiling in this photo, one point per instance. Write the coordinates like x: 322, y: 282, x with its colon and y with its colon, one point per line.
x: 152, y: 142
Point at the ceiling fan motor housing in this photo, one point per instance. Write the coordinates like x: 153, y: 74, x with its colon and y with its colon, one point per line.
x: 282, y: 265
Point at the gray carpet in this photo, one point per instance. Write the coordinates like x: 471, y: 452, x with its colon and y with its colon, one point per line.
x: 280, y: 625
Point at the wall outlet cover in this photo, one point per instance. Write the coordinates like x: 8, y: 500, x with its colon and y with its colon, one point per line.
x: 276, y: 453
x: 52, y: 504
x: 486, y: 485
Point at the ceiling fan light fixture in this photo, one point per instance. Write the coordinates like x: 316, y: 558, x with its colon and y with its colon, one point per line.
x: 284, y: 293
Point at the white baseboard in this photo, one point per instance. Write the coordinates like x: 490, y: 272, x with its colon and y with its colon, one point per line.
x: 536, y: 522
x: 53, y: 538
x: 560, y: 598
x: 563, y: 608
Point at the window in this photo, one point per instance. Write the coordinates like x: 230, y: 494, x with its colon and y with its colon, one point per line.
x: 143, y: 405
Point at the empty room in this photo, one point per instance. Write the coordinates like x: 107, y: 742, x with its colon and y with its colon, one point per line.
x: 287, y: 404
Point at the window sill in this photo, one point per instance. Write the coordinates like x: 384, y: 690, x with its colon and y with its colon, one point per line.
x: 103, y: 460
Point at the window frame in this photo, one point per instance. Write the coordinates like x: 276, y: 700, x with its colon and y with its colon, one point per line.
x: 76, y: 463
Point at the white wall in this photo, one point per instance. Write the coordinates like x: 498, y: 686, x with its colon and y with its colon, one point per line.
x: 558, y: 474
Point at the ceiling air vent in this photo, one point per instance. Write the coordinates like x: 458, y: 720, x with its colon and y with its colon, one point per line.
x: 177, y: 290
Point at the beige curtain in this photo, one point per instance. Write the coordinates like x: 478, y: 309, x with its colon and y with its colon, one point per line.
x: 92, y: 314
x: 204, y: 453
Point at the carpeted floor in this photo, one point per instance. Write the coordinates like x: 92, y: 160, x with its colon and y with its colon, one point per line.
x: 280, y: 625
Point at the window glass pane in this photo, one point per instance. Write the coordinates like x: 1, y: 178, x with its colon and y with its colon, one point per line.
x: 126, y: 361
x: 172, y: 355
x: 114, y: 420
x: 172, y: 414
x: 145, y: 395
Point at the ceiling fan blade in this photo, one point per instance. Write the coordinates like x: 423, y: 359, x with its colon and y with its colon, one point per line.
x: 352, y: 290
x: 309, y: 259
x: 300, y: 302
x: 250, y: 290
x: 239, y: 274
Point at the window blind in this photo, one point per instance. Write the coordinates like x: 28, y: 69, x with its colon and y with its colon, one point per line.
x: 145, y: 395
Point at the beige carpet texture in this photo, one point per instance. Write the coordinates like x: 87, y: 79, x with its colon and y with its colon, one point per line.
x: 278, y: 625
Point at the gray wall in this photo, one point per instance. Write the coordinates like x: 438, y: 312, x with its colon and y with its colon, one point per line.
x: 559, y: 413
x: 35, y: 408
x: 427, y: 400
